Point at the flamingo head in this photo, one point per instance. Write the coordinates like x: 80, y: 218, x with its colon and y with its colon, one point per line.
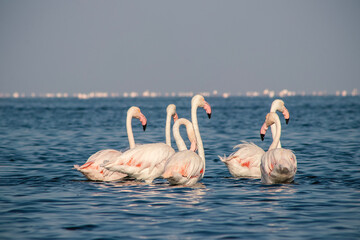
x: 193, y: 146
x: 171, y: 111
x: 270, y: 120
x: 286, y: 115
x: 263, y: 130
x: 136, y: 113
x: 143, y: 121
x: 207, y: 108
x: 175, y: 117
x: 279, y: 105
x: 199, y: 101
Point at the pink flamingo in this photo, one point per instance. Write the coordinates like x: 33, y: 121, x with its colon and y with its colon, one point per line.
x: 93, y: 169
x: 278, y: 165
x: 178, y: 165
x: 245, y: 162
x: 186, y: 167
x: 146, y: 162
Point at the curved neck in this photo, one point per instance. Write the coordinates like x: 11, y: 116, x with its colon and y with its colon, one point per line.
x: 178, y: 139
x: 190, y: 133
x: 167, y: 129
x: 273, y: 109
x: 276, y: 139
x: 273, y: 129
x: 129, y: 130
x: 197, y: 133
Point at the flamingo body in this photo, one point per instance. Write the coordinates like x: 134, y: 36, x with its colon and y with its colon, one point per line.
x: 184, y: 168
x: 245, y: 162
x: 278, y: 166
x: 144, y: 162
x: 93, y: 170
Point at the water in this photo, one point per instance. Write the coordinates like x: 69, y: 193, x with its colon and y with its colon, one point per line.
x: 42, y: 197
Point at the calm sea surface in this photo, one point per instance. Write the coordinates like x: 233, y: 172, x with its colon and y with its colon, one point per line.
x: 42, y: 197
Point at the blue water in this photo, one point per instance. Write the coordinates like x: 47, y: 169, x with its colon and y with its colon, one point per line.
x: 42, y: 197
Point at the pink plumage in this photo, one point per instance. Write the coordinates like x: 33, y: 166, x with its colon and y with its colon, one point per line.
x: 144, y: 162
x: 245, y: 162
x: 93, y: 168
x: 186, y: 167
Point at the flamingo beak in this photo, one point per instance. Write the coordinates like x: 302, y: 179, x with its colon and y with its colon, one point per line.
x: 262, y: 136
x: 286, y: 115
x: 207, y: 108
x: 263, y: 131
x: 175, y: 117
x: 143, y: 121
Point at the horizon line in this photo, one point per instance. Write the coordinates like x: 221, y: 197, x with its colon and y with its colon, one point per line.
x: 151, y: 94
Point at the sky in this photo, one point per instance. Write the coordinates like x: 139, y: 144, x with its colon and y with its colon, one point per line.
x: 172, y: 46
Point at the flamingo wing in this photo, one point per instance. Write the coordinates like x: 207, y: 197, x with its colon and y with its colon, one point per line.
x: 185, y: 168
x: 245, y: 162
x: 93, y: 170
x: 144, y: 162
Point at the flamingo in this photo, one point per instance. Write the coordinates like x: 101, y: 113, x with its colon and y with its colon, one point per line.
x: 245, y: 162
x: 278, y: 165
x: 146, y: 162
x: 186, y: 167
x: 184, y: 159
x: 93, y: 170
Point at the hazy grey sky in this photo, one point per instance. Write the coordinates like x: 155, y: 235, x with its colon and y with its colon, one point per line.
x: 231, y: 46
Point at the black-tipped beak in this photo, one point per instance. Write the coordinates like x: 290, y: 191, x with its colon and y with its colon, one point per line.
x: 287, y: 121
x: 262, y: 136
x: 209, y: 115
x: 144, y: 127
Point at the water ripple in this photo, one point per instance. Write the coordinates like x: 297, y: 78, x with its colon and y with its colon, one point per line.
x: 42, y: 197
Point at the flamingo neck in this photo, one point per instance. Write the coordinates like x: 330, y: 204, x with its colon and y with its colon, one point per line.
x: 274, y: 108
x: 129, y: 130
x: 190, y: 133
x: 197, y: 133
x: 276, y: 139
x: 178, y: 139
x: 167, y: 129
